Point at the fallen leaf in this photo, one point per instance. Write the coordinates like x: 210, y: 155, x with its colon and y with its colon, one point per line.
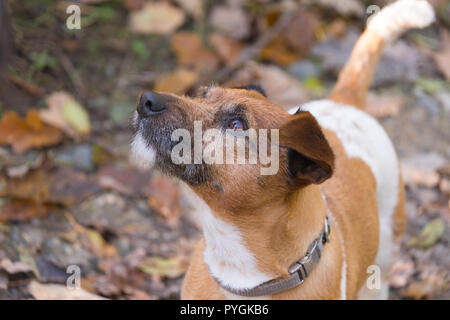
x: 164, y: 197
x: 63, y: 186
x: 177, y: 82
x: 21, y: 210
x: 59, y: 292
x: 429, y: 235
x: 300, y: 33
x: 133, y: 5
x: 281, y: 88
x: 127, y: 180
x: 227, y: 48
x: 337, y: 28
x: 77, y: 117
x: 66, y: 114
x: 99, y: 246
x: 156, y: 18
x: 400, y: 273
x: 343, y: 7
x: 14, y: 267
x: 442, y: 57
x: 191, y: 52
x: 18, y: 165
x: 192, y: 7
x: 24, y: 134
x: 384, y: 104
x: 162, y: 267
x: 278, y: 51
x: 422, y: 169
x: 90, y: 239
x: 444, y: 185
x: 425, y: 288
x: 231, y: 21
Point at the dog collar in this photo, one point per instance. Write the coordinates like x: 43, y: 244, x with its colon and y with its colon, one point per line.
x: 298, y: 271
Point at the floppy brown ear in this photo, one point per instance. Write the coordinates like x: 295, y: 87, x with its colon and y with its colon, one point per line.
x: 309, y: 158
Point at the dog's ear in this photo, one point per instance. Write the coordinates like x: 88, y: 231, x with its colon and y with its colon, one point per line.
x: 309, y: 157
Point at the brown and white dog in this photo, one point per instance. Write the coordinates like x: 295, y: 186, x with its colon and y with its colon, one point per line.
x: 335, y: 161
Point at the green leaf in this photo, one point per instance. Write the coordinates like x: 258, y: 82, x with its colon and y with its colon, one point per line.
x: 429, y: 235
x: 170, y: 268
x: 314, y: 85
x: 141, y: 50
x: 431, y: 85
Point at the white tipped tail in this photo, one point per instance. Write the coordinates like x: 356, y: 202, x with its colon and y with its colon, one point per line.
x: 384, y: 28
x: 400, y: 16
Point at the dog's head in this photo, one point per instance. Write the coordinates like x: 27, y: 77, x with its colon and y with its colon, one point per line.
x: 234, y: 147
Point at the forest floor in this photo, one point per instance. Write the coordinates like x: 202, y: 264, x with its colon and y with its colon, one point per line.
x: 68, y: 197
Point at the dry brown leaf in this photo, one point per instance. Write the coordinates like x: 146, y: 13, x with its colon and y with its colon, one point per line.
x: 278, y: 51
x: 164, y: 197
x: 227, y: 48
x: 422, y: 169
x: 126, y: 180
x: 442, y: 57
x: 300, y: 33
x: 24, y: 134
x: 337, y: 28
x: 63, y: 186
x: 343, y: 7
x: 400, y: 273
x: 231, y: 21
x: 444, y: 185
x: 20, y: 210
x: 191, y: 52
x: 133, y: 5
x: 156, y: 18
x: 90, y: 239
x: 59, y: 292
x: 192, y: 7
x: 425, y: 288
x: 384, y: 104
x: 14, y: 267
x: 281, y: 88
x: 177, y: 82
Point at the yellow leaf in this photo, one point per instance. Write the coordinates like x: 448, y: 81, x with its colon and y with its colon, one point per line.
x: 156, y: 18
x: 170, y: 268
x: 177, y: 82
x: 77, y: 117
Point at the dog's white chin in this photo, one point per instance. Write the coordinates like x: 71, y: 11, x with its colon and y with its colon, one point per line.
x: 142, y: 151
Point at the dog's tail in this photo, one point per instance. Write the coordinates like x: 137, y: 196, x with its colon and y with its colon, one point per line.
x: 396, y: 18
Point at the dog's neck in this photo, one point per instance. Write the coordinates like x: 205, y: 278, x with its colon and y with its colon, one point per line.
x: 247, y: 250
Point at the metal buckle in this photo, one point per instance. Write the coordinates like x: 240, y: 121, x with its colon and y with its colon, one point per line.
x: 302, y: 266
x: 327, y: 230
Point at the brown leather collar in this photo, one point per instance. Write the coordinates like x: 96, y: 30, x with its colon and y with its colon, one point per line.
x: 298, y: 271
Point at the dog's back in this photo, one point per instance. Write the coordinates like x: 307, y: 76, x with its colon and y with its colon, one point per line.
x: 366, y: 191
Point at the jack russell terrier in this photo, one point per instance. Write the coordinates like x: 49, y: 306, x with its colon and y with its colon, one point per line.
x: 333, y: 209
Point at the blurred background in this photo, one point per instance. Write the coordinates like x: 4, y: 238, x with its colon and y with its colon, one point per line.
x: 71, y: 194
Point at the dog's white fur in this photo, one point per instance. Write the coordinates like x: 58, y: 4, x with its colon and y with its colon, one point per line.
x: 401, y: 16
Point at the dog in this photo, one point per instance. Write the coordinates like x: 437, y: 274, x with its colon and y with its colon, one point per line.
x: 328, y: 223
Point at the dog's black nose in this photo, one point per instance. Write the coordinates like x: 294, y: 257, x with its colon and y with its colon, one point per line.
x: 151, y: 103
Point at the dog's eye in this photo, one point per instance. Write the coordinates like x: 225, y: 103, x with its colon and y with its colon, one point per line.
x: 236, y: 124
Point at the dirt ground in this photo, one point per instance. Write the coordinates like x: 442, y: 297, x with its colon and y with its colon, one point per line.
x: 85, y: 201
